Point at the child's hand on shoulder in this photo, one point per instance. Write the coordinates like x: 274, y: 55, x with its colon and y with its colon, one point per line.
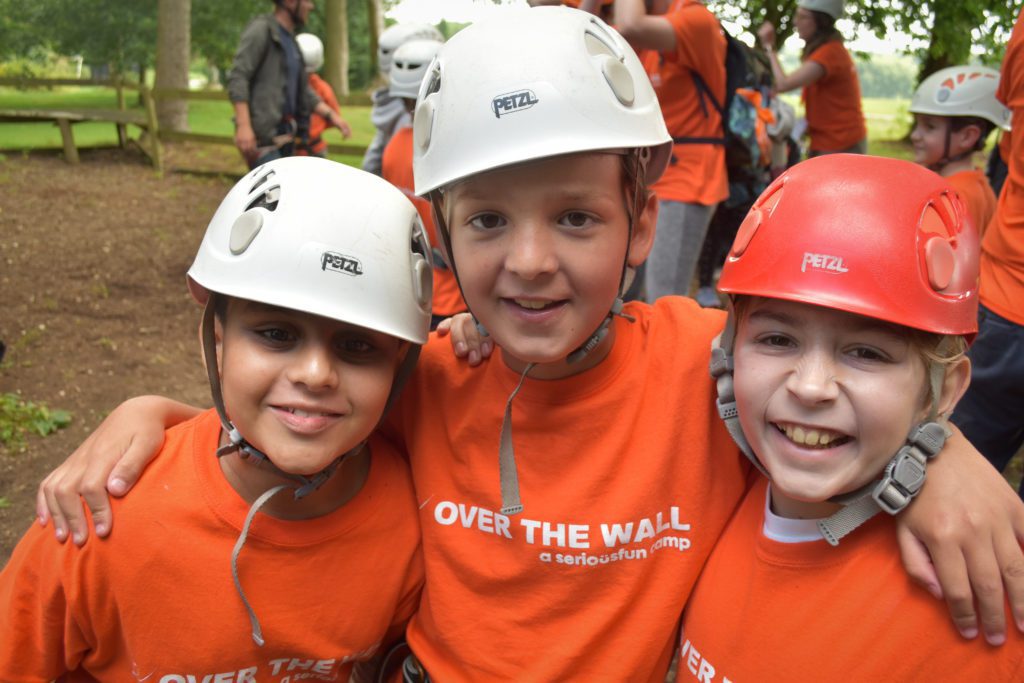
x: 467, y: 341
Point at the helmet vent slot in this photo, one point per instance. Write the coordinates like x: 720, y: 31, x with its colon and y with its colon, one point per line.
x: 266, y: 200
x: 600, y: 42
x: 260, y: 181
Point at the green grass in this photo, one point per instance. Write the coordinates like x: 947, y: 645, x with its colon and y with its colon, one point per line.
x: 19, y: 417
x: 209, y: 117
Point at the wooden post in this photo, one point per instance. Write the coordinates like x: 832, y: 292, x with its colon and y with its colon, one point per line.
x: 66, y: 136
x: 156, y: 151
x: 122, y: 129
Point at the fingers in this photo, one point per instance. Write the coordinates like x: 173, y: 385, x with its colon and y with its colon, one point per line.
x: 1011, y: 562
x: 952, y: 571
x: 467, y: 340
x: 918, y: 562
x: 986, y: 579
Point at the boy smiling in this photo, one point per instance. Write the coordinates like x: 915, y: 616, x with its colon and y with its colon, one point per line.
x: 302, y: 362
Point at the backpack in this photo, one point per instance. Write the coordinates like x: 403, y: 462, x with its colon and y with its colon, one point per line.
x: 744, y: 114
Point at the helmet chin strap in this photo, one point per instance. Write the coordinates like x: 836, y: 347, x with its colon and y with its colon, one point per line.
x: 946, y: 158
x: 508, y: 474
x: 903, y: 476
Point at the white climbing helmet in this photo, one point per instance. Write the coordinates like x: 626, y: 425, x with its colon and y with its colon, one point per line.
x: 833, y: 8
x: 396, y: 35
x: 409, y: 66
x: 312, y: 50
x: 313, y: 235
x: 531, y: 84
x: 962, y: 91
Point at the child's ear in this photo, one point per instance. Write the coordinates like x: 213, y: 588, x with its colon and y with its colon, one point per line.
x: 643, y: 232
x: 965, y: 139
x: 958, y: 377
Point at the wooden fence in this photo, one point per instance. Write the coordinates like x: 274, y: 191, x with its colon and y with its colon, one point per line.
x: 146, y: 120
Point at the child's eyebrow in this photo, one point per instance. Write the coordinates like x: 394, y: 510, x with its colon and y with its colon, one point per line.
x: 860, y: 324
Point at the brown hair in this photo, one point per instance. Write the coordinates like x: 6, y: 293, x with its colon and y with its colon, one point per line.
x: 825, y: 32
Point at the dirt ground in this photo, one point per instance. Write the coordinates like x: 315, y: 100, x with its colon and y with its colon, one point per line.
x: 94, y: 307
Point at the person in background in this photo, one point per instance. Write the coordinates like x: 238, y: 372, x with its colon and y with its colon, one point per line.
x: 684, y: 55
x: 268, y: 88
x: 991, y: 413
x: 388, y: 114
x: 311, y: 142
x: 954, y: 111
x: 408, y: 68
x: 831, y: 88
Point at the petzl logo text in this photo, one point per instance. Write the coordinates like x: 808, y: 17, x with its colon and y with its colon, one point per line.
x: 825, y: 262
x: 340, y: 263
x: 513, y: 102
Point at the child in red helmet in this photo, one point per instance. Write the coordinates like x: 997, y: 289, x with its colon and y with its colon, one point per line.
x: 854, y: 295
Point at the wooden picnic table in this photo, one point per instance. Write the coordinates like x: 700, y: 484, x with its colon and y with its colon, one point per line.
x: 64, y: 118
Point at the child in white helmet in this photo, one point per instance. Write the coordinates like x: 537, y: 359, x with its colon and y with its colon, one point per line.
x: 954, y: 111
x: 837, y: 374
x: 315, y: 281
x: 312, y: 142
x: 388, y: 114
x: 571, y: 489
x: 408, y: 67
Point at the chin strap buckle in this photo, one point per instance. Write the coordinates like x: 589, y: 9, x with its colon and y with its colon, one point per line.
x: 905, y: 474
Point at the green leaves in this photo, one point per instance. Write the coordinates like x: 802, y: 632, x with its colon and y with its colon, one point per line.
x: 19, y: 418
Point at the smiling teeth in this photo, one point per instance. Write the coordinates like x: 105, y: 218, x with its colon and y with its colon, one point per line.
x: 534, y: 305
x: 304, y: 413
x: 810, y: 437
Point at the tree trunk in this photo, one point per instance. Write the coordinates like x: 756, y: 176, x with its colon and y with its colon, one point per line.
x: 950, y: 36
x: 173, y: 45
x: 335, y: 70
x: 375, y: 17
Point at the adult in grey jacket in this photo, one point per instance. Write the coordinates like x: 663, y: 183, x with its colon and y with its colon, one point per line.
x: 268, y: 85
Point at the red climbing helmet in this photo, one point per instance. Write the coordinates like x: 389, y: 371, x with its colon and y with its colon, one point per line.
x: 878, y: 237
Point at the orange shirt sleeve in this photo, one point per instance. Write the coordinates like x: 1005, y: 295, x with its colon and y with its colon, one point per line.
x: 834, y: 118
x: 696, y: 172
x: 977, y: 195
x: 317, y: 123
x: 1002, y: 250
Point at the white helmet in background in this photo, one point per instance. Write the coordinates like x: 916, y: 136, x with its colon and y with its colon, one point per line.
x: 316, y: 236
x: 396, y: 35
x: 312, y: 50
x: 962, y: 91
x: 409, y: 66
x: 532, y: 84
x: 833, y: 8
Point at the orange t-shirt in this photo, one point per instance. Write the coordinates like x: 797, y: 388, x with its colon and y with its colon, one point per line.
x: 696, y: 173
x: 834, y: 118
x: 764, y: 610
x: 397, y: 170
x: 1002, y: 250
x: 627, y: 478
x: 156, y: 601
x: 977, y: 194
x: 317, y: 123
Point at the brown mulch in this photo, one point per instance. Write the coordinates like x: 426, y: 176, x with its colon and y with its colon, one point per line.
x: 94, y: 307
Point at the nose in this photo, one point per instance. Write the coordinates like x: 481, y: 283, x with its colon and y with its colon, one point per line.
x: 531, y: 250
x: 314, y: 367
x: 813, y: 379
